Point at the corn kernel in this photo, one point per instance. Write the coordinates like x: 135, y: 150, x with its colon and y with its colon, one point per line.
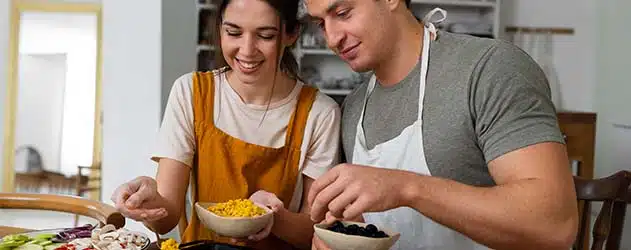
x: 237, y: 208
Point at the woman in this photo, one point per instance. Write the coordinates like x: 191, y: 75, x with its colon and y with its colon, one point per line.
x: 247, y: 130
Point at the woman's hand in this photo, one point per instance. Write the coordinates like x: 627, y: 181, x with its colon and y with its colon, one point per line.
x: 139, y: 200
x: 269, y: 200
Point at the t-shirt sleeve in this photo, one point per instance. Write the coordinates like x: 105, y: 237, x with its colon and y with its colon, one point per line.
x: 176, y: 137
x: 324, y: 149
x: 511, y: 102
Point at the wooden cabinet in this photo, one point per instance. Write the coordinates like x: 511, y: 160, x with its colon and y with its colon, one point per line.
x: 579, y: 129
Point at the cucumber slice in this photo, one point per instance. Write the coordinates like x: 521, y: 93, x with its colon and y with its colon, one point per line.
x: 30, y: 247
x: 11, y: 244
x: 44, y: 236
x: 53, y: 246
x: 45, y: 243
x: 15, y: 237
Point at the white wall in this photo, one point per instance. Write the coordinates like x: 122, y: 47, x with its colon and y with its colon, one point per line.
x: 131, y: 93
x: 144, y: 54
x: 40, y: 106
x: 574, y: 55
x: 613, y: 138
x: 179, y: 42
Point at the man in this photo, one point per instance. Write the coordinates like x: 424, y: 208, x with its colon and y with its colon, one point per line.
x: 454, y: 142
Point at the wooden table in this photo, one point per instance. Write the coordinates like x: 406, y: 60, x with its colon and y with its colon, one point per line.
x: 4, y: 231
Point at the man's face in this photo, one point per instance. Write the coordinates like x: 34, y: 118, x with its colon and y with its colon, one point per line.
x: 354, y: 29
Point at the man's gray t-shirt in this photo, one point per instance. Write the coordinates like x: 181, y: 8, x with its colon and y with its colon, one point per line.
x: 483, y: 98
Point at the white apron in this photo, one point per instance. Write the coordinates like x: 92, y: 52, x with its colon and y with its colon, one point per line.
x: 405, y: 152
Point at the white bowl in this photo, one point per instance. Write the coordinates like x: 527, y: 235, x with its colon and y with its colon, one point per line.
x: 340, y: 241
x: 236, y: 227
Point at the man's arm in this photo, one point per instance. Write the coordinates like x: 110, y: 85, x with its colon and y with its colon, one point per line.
x: 533, y: 205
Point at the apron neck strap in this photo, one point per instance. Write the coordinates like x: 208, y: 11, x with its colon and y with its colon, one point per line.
x: 428, y: 22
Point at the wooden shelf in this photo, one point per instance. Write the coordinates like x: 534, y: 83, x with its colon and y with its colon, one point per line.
x: 205, y: 47
x: 540, y: 30
x: 336, y: 91
x: 464, y: 3
x: 206, y: 6
x: 316, y: 51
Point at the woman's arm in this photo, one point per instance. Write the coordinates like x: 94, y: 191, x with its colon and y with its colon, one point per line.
x: 172, y: 182
x: 174, y: 153
x: 296, y: 228
x: 323, y: 153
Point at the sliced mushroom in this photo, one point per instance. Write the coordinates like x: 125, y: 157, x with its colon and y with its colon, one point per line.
x: 106, y: 242
x: 115, y: 246
x: 125, y: 238
x: 140, y: 240
x: 108, y: 228
x: 83, y: 242
x: 111, y: 236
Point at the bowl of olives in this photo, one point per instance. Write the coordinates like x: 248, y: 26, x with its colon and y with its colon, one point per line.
x: 355, y: 235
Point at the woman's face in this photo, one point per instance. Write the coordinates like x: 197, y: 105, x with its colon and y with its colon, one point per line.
x: 249, y: 36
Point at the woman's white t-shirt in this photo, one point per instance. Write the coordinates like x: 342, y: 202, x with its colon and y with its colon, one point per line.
x: 321, y: 142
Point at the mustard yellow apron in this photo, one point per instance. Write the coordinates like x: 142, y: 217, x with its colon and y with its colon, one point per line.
x: 228, y: 168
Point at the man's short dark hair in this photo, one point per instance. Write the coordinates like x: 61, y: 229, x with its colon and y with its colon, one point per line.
x: 407, y: 3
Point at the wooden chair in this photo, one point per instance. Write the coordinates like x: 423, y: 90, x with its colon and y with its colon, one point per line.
x: 103, y: 213
x: 86, y: 183
x: 615, y: 193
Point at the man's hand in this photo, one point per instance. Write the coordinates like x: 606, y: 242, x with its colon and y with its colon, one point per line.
x: 347, y: 191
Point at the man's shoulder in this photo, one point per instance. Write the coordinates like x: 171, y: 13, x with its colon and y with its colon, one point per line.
x: 474, y: 49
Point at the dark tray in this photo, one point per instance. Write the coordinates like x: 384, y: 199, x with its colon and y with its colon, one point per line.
x: 208, y: 244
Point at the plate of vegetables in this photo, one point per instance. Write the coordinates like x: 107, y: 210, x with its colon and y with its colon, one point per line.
x: 86, y: 237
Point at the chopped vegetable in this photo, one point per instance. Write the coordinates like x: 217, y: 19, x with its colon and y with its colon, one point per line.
x: 74, y: 233
x: 237, y: 208
x: 169, y: 244
x: 23, y: 242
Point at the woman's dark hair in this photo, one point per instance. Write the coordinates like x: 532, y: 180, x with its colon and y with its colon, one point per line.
x: 287, y: 10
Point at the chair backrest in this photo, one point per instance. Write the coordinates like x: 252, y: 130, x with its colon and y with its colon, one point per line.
x: 88, y: 181
x: 103, y: 213
x: 615, y: 193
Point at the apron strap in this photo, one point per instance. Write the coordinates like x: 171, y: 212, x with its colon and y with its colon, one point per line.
x: 428, y: 22
x: 203, y: 113
x: 298, y: 120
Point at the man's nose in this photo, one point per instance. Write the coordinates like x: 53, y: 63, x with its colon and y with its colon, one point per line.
x: 334, y: 37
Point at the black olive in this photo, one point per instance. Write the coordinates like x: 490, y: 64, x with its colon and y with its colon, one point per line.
x: 353, y: 228
x: 362, y: 232
x: 370, y: 228
x: 381, y: 234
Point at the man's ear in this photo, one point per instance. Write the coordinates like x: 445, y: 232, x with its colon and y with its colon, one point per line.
x: 394, y: 4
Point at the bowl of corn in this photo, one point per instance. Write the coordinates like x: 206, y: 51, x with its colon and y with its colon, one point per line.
x: 234, y: 218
